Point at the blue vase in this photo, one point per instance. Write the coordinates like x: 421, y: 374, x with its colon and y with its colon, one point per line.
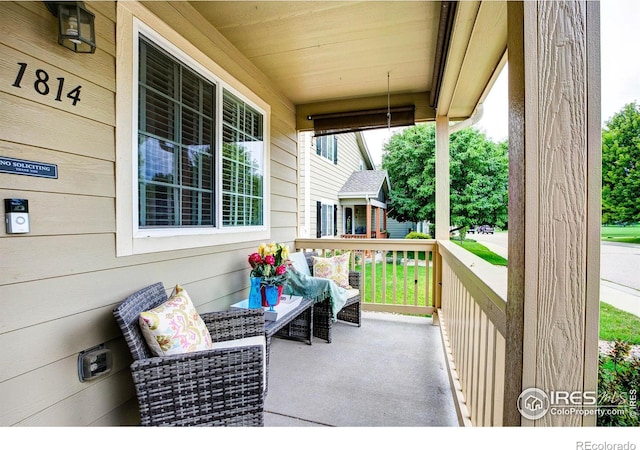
x: 255, y: 297
x: 272, y: 295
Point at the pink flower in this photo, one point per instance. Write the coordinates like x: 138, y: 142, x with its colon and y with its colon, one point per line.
x: 269, y: 259
x: 255, y: 259
x: 281, y: 270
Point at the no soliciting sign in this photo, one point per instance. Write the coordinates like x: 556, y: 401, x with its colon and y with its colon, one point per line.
x: 31, y: 168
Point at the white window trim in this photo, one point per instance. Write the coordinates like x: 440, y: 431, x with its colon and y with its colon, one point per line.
x: 130, y: 239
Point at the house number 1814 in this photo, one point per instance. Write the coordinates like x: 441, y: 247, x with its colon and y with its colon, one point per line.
x: 41, y: 85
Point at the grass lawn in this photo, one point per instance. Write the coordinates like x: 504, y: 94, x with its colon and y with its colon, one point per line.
x: 400, y: 289
x: 481, y: 251
x: 629, y: 234
x: 616, y: 324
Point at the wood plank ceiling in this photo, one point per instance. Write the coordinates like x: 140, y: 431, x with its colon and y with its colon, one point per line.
x: 329, y: 56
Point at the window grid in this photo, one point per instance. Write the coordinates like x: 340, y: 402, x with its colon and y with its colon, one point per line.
x: 327, y: 147
x: 176, y: 134
x: 242, y: 163
x: 327, y: 220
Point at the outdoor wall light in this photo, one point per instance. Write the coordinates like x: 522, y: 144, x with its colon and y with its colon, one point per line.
x: 76, y: 30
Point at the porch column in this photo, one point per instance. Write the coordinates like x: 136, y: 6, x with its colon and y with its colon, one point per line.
x: 554, y: 203
x: 384, y: 220
x: 378, y: 222
x: 368, y: 230
x: 442, y: 177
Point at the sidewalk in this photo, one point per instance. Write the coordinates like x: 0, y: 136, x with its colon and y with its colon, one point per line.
x: 621, y: 297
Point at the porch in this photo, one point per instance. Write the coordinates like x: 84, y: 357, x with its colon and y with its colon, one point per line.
x: 68, y: 274
x: 428, y: 353
x: 389, y: 372
x: 374, y: 235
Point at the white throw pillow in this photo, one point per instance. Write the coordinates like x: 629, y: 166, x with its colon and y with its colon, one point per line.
x: 299, y: 262
x: 175, y: 327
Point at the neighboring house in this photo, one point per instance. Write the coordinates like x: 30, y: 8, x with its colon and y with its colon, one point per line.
x: 363, y: 199
x: 398, y: 230
x: 340, y: 188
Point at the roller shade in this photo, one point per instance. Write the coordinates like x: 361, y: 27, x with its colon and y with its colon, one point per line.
x: 347, y: 122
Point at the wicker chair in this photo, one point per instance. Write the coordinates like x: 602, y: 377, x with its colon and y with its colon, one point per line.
x: 322, y: 312
x: 223, y: 386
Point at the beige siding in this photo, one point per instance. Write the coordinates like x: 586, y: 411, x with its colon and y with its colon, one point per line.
x: 327, y: 178
x: 59, y: 283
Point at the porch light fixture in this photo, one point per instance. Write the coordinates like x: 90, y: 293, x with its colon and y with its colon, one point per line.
x: 76, y: 30
x: 346, y: 122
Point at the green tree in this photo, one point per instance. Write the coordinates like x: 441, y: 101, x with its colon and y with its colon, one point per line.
x: 620, y: 171
x: 478, y: 175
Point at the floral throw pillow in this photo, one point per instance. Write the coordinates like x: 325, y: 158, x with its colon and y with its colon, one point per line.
x: 175, y: 326
x: 335, y: 268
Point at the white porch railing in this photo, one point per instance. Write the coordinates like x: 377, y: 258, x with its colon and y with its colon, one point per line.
x: 473, y: 324
x: 396, y: 274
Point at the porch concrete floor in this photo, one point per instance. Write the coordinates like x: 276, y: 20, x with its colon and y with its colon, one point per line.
x: 390, y: 372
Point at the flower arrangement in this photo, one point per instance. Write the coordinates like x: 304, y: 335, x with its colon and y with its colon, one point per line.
x: 270, y: 263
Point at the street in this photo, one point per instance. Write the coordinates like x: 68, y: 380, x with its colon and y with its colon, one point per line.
x: 619, y: 263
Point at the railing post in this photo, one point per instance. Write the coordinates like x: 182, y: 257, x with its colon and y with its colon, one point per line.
x: 437, y: 283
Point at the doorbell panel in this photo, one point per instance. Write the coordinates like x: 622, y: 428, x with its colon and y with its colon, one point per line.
x: 16, y: 215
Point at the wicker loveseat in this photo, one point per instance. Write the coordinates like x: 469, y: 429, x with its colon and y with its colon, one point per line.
x: 322, y: 311
x: 223, y: 386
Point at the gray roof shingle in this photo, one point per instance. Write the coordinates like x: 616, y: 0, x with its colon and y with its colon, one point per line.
x: 365, y: 182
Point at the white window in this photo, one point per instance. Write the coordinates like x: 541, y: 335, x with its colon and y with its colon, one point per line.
x: 242, y: 164
x: 327, y: 147
x: 199, y: 153
x: 326, y: 219
x: 176, y: 142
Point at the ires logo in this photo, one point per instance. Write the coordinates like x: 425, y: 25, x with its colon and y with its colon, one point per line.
x: 575, y: 398
x: 534, y: 403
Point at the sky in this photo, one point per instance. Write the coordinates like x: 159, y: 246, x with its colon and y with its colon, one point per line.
x: 620, y: 67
